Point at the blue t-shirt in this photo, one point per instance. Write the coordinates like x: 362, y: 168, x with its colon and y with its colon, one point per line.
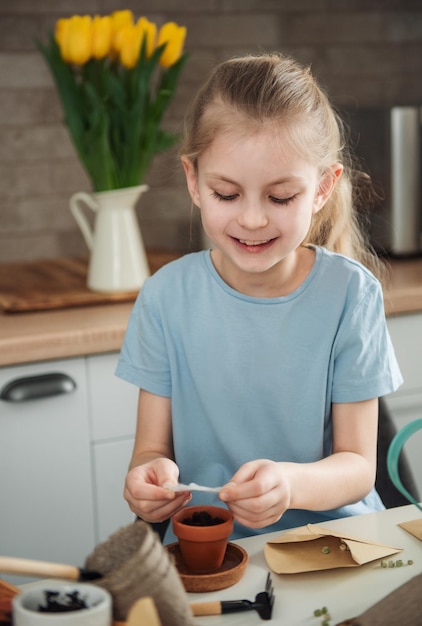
x: 253, y: 378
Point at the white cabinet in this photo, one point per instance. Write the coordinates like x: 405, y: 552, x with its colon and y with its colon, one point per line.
x: 110, y: 466
x: 406, y: 403
x: 45, y: 469
x: 63, y: 460
x: 113, y: 401
x: 113, y: 407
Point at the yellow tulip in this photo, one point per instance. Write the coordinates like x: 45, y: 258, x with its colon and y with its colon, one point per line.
x: 60, y: 31
x: 128, y: 43
x: 74, y: 39
x: 120, y: 20
x: 174, y: 37
x: 101, y: 36
x: 148, y: 30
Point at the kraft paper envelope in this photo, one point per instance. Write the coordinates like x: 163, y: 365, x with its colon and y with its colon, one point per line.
x: 312, y: 548
x: 414, y: 527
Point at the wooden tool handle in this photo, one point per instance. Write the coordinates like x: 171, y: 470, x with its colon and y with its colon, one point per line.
x: 27, y: 567
x: 206, y: 608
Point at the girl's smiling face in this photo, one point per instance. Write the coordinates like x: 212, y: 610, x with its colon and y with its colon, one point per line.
x: 257, y: 197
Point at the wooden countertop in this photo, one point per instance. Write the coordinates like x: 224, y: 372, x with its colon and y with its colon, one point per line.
x: 68, y: 332
x: 403, y: 287
x: 77, y: 331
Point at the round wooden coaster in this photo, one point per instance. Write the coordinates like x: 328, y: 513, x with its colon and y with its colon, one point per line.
x: 231, y: 571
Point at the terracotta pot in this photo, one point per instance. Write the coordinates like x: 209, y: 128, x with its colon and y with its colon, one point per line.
x: 203, y: 547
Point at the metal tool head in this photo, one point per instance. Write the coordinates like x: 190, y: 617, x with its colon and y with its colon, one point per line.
x: 264, y: 600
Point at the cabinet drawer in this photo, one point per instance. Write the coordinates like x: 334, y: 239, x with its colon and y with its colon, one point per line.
x: 111, y: 461
x: 113, y: 401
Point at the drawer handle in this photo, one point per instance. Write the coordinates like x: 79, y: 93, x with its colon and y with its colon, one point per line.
x: 34, y: 387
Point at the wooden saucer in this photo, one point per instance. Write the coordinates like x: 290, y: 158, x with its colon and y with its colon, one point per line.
x: 231, y: 571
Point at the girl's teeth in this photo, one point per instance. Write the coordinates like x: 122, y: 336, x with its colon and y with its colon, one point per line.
x: 253, y: 243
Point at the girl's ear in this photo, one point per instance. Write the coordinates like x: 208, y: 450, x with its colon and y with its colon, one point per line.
x: 326, y: 185
x: 191, y: 179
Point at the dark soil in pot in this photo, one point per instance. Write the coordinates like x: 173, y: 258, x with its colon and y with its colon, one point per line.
x: 202, y: 518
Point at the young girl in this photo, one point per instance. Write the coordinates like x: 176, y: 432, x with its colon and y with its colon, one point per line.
x: 260, y: 362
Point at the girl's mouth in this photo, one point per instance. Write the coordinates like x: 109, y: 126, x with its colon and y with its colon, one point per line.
x: 252, y: 245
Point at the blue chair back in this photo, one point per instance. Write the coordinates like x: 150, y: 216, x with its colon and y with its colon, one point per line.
x: 393, y: 457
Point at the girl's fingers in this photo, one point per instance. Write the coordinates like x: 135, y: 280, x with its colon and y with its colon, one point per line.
x: 259, y: 518
x: 156, y: 511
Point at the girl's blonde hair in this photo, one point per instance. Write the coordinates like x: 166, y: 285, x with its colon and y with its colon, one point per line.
x: 246, y: 92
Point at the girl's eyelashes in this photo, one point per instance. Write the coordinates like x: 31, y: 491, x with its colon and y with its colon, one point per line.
x: 283, y: 201
x: 223, y: 197
x: 233, y: 196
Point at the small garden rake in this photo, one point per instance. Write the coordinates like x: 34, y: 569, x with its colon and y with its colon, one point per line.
x: 263, y: 604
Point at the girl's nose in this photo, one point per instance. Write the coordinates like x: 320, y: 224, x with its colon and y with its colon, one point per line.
x: 252, y: 216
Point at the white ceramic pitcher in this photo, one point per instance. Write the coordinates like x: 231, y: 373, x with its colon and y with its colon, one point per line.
x: 118, y: 260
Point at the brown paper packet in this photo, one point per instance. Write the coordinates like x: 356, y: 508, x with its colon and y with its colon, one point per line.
x: 312, y: 548
x: 414, y: 527
x: 401, y: 607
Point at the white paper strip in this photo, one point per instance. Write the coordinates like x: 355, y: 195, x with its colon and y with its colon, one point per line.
x: 190, y: 487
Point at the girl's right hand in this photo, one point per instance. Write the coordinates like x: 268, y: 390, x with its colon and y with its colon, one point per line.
x: 144, y: 494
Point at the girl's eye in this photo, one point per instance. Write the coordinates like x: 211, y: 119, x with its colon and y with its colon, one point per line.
x: 224, y: 198
x: 233, y: 196
x: 283, y: 201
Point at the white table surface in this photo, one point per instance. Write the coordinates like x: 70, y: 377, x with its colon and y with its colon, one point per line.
x: 346, y: 592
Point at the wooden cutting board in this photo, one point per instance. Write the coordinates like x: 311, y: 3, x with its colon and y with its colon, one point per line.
x: 58, y: 283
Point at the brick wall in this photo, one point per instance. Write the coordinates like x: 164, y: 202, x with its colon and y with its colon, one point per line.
x: 366, y: 52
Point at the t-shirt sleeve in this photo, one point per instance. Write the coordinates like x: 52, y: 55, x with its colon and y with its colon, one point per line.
x: 365, y: 365
x: 143, y: 359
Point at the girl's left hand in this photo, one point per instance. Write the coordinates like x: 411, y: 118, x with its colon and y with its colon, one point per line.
x: 258, y: 494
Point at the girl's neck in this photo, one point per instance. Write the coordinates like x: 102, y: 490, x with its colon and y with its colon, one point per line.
x: 281, y: 279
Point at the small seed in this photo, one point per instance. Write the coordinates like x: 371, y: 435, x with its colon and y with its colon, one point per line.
x: 325, y: 550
